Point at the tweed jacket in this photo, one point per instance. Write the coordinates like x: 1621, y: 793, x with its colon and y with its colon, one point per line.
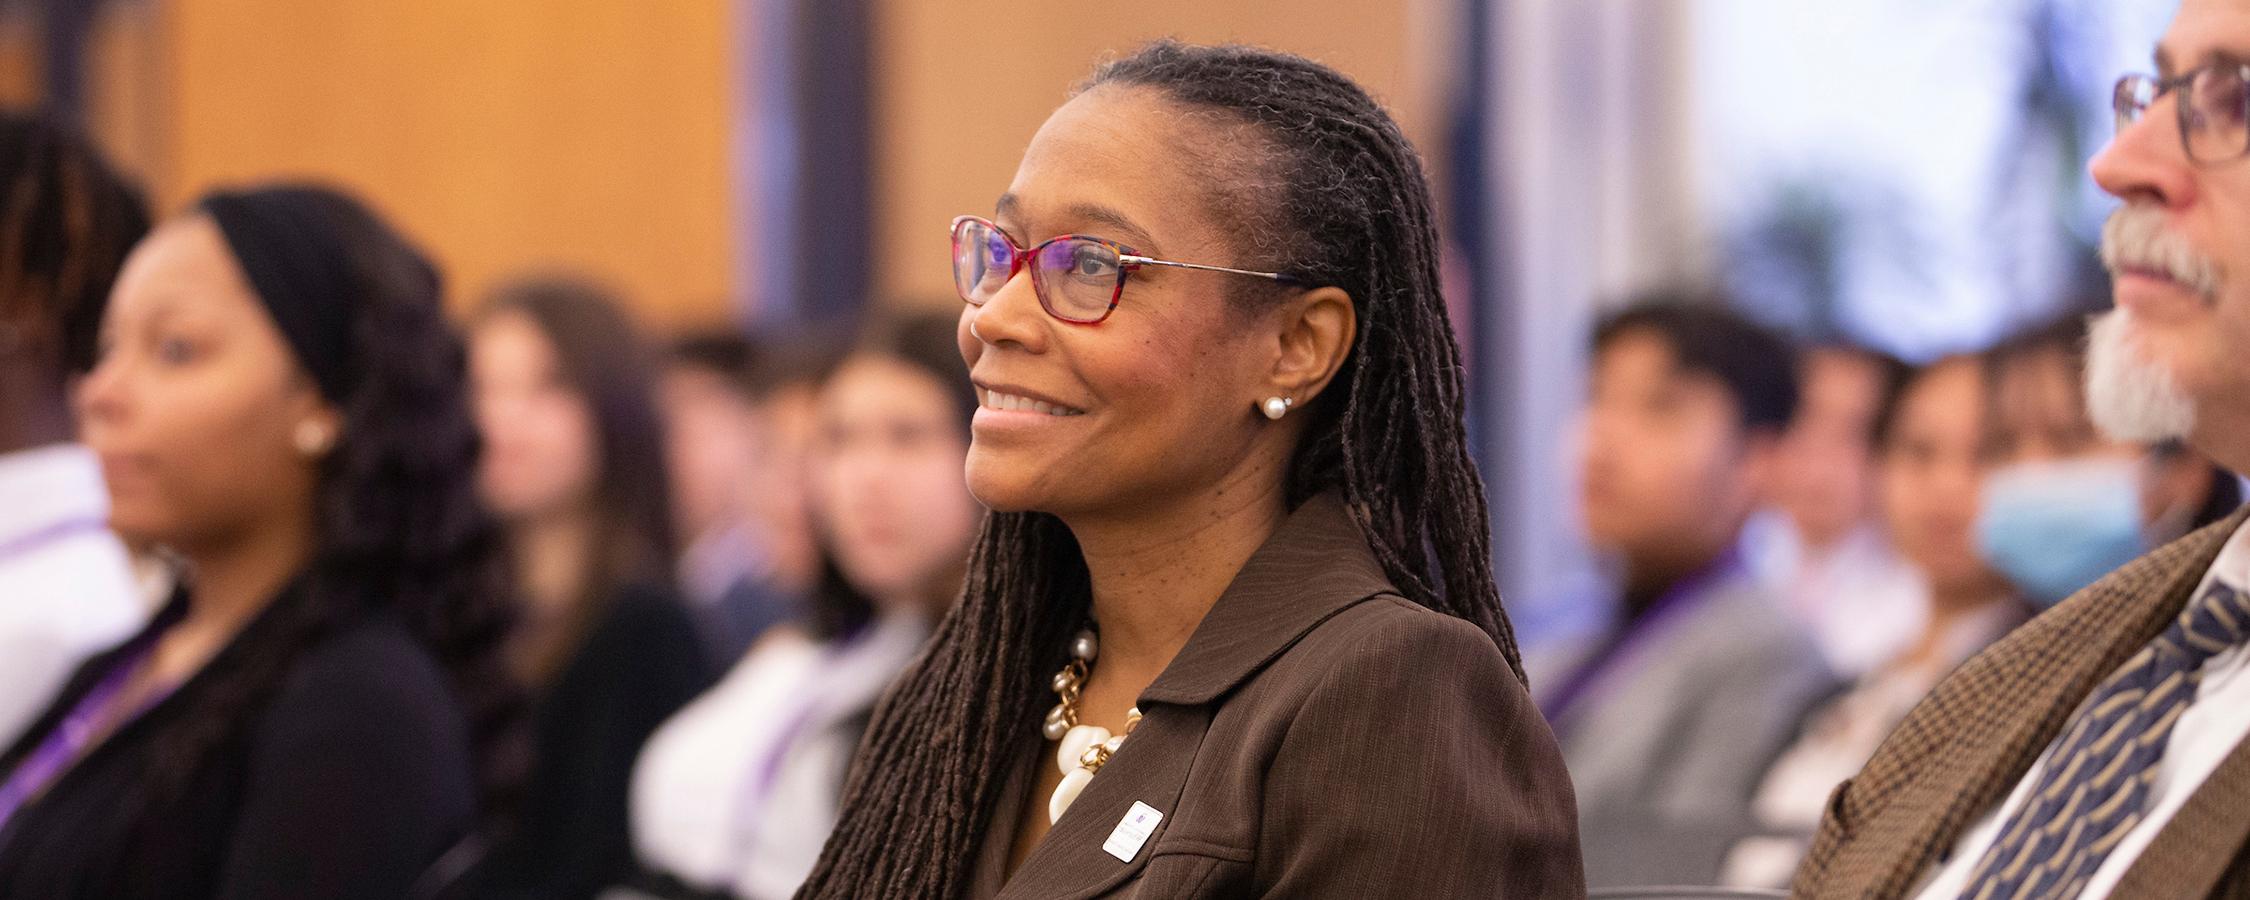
x: 1959, y: 753
x: 1318, y: 736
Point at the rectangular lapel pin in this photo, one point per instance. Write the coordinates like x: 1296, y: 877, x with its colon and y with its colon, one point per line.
x: 1133, y: 831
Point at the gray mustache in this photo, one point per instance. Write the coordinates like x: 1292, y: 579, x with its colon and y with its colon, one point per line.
x: 2135, y: 237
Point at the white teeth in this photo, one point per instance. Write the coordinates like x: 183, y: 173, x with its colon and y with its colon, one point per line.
x: 1011, y: 402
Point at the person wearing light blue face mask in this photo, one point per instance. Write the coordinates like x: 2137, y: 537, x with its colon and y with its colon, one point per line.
x: 2064, y: 505
x: 2103, y: 749
x: 2055, y: 526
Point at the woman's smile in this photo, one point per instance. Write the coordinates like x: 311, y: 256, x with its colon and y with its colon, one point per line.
x: 1009, y: 407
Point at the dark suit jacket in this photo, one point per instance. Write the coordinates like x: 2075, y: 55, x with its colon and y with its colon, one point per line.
x: 639, y: 664
x: 1318, y: 736
x: 1960, y: 752
x: 347, y: 782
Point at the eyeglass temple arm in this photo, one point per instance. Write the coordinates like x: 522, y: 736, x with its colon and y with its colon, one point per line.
x: 1148, y: 261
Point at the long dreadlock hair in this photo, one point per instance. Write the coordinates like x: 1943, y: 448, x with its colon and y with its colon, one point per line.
x: 1336, y: 196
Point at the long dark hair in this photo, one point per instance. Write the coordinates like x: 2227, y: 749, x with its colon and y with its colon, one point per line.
x: 67, y: 220
x: 924, y: 341
x: 1335, y: 196
x: 604, y: 360
x: 399, y: 527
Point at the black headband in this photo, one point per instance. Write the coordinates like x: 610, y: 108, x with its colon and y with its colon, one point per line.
x: 291, y: 245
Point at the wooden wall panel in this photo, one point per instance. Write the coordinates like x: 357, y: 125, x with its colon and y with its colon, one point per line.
x: 519, y: 134
x: 961, y: 87
x: 19, y: 59
x: 507, y: 134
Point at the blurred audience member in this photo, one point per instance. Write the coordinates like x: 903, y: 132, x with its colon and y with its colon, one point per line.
x: 1931, y: 472
x: 1667, y: 716
x: 280, y: 400
x: 1820, y: 548
x: 66, y: 588
x: 732, y: 415
x: 2066, y: 504
x: 2099, y: 750
x: 738, y: 792
x: 574, y: 466
x: 784, y: 383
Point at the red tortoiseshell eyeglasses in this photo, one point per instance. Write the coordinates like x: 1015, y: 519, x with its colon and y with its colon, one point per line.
x: 1078, y: 278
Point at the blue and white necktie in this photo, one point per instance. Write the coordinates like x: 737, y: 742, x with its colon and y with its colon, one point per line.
x: 2095, y: 787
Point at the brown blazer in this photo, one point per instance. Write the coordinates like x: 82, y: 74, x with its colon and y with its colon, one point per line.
x: 1960, y: 752
x: 1318, y: 736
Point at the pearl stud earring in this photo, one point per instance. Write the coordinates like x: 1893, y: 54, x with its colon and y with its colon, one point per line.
x: 1276, y: 407
x: 313, y: 438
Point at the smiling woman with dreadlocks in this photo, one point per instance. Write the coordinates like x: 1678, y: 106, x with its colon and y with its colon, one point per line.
x: 1231, y: 630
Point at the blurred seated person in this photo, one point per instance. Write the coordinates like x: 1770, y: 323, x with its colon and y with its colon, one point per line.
x: 1930, y: 475
x: 1667, y: 715
x: 1821, y: 547
x: 735, y: 412
x: 67, y: 219
x: 317, y: 712
x: 574, y: 468
x: 2066, y: 504
x: 737, y: 793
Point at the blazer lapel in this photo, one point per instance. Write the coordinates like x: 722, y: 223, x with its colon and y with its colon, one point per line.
x: 1270, y: 604
x: 2197, y: 847
x: 2016, y: 697
x: 2194, y: 850
x: 1150, y: 768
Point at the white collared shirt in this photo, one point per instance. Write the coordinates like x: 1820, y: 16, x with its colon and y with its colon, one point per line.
x: 2206, y: 732
x: 1862, y: 602
x: 67, y: 588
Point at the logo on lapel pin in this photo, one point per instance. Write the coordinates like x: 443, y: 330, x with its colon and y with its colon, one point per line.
x: 1132, y: 831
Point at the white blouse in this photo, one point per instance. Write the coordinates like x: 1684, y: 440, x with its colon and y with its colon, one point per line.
x: 738, y: 791
x: 67, y: 588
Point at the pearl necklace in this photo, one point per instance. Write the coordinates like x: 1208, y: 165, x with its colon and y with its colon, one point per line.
x: 1083, y: 749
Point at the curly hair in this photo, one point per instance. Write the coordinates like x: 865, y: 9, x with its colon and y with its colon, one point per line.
x: 1323, y: 186
x: 400, y: 528
x: 67, y: 219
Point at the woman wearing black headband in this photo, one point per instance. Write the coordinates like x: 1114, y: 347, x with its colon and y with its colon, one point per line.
x: 280, y: 401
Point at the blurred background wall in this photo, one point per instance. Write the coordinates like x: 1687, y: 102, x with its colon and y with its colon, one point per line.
x: 1902, y: 173
x: 959, y: 95
x: 716, y: 159
x: 505, y: 133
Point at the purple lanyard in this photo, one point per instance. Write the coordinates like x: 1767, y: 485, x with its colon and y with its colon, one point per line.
x: 750, y: 811
x: 68, y: 741
x: 25, y: 543
x: 1676, y: 600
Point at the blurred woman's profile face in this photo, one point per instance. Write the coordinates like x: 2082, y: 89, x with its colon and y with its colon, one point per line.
x: 195, y: 405
x: 2039, y: 413
x: 540, y: 448
x: 886, y: 457
x: 1157, y: 401
x: 1932, y: 474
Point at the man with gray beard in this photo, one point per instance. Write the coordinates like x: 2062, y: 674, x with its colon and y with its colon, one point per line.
x: 2099, y: 750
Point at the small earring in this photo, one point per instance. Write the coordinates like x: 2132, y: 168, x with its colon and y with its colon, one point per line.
x: 1276, y: 407
x: 313, y: 438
